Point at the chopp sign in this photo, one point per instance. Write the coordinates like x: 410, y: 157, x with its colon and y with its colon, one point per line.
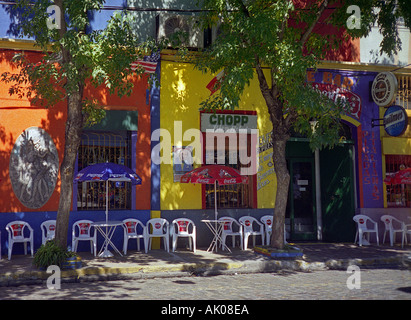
x: 227, y: 121
x: 395, y: 120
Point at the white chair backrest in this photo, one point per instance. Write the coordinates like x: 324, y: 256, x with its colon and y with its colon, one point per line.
x: 362, y: 220
x: 159, y: 226
x: 389, y: 222
x: 182, y: 226
x: 267, y: 221
x: 247, y: 222
x: 84, y: 228
x: 16, y: 229
x: 133, y: 226
x: 228, y: 225
x: 48, y: 229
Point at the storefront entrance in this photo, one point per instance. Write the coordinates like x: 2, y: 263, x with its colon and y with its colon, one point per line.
x: 337, y: 193
x: 301, y: 215
x: 301, y: 210
x: 323, y: 211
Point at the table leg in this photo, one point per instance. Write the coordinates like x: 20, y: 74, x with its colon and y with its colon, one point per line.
x: 216, y: 230
x: 107, y: 240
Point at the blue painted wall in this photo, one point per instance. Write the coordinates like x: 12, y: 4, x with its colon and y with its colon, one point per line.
x: 36, y: 218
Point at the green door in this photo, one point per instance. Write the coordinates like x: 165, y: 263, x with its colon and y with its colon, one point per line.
x: 337, y: 193
x: 301, y: 211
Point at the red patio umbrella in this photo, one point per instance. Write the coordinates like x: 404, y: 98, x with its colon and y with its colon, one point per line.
x: 400, y: 177
x: 213, y: 174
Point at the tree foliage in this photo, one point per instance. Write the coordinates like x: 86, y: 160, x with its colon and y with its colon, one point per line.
x: 73, y: 56
x: 277, y: 42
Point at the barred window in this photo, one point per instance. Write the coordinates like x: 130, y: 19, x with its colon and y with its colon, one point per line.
x: 229, y: 196
x: 98, y: 147
x: 398, y: 195
x: 404, y: 92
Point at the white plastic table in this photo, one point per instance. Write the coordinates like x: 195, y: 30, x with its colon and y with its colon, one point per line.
x: 107, y: 228
x: 216, y: 227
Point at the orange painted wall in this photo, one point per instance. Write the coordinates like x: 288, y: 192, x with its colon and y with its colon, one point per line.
x: 17, y: 114
x: 137, y: 102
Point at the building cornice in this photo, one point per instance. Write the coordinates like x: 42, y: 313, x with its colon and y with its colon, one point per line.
x: 169, y: 54
x: 366, y: 67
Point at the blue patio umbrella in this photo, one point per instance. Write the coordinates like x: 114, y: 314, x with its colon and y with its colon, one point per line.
x: 107, y: 171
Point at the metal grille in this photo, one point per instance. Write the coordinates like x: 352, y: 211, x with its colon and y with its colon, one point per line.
x: 229, y: 196
x: 404, y: 92
x: 98, y: 147
x: 398, y: 195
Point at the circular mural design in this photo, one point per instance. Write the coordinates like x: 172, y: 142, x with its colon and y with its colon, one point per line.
x: 33, y: 167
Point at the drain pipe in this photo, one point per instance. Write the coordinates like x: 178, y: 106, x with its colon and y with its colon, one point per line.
x: 318, y: 195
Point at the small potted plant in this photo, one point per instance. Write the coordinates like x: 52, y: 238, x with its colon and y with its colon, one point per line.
x: 51, y: 254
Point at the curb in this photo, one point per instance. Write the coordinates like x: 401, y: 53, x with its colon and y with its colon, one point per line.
x: 189, y: 269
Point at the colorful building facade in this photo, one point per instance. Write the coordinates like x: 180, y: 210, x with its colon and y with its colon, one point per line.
x: 154, y: 130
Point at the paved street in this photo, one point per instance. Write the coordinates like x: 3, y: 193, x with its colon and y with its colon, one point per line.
x: 329, y: 284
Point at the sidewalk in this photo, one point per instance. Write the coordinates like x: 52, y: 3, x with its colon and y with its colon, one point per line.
x: 159, y: 263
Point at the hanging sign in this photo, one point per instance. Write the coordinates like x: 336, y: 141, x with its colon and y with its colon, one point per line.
x: 395, y: 120
x: 384, y: 89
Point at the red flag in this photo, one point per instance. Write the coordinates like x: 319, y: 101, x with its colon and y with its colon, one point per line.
x: 215, y: 84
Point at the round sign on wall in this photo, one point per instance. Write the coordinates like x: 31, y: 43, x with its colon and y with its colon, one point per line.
x: 33, y: 167
x: 395, y: 120
x: 384, y: 89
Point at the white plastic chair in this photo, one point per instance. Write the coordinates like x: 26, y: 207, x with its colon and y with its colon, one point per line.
x: 227, y: 230
x: 251, y: 227
x: 133, y: 229
x: 157, y: 228
x: 16, y: 231
x: 48, y: 230
x: 362, y: 221
x: 268, y: 227
x: 184, y: 228
x: 83, y: 229
x: 393, y: 226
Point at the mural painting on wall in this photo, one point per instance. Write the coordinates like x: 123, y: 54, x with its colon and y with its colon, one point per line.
x: 33, y: 167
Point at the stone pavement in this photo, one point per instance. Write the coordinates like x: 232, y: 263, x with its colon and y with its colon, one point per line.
x: 158, y: 263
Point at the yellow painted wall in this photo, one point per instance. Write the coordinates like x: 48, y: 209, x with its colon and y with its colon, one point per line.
x: 182, y: 91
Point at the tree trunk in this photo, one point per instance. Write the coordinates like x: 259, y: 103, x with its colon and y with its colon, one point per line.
x: 74, y: 127
x: 280, y: 136
x: 283, y: 182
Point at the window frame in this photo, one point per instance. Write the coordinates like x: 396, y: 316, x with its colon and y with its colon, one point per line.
x: 252, y: 184
x: 401, y: 197
x: 130, y: 138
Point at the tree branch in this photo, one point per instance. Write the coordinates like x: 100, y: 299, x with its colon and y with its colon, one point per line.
x: 307, y: 33
x: 243, y: 8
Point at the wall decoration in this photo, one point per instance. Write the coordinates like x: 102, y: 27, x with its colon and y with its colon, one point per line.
x: 34, y: 165
x: 395, y: 120
x: 182, y: 161
x: 384, y: 89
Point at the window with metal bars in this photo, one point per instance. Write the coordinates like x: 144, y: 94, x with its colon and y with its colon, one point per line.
x: 98, y: 147
x: 404, y: 92
x: 229, y: 196
x: 398, y: 195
